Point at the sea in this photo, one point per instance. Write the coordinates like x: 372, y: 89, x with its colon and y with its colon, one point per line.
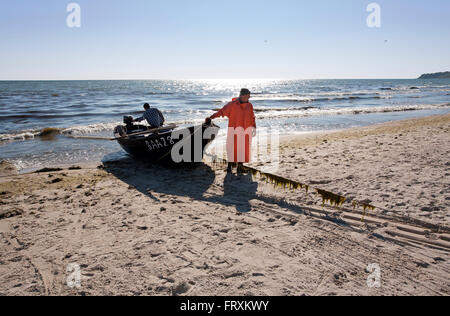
x: 94, y: 108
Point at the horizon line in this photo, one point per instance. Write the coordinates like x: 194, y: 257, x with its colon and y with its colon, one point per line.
x: 206, y: 79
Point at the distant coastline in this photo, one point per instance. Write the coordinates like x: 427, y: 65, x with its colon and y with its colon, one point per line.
x: 436, y: 75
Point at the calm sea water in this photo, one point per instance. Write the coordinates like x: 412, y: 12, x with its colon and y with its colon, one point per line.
x: 96, y: 107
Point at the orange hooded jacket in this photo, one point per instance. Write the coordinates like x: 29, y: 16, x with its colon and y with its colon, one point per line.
x: 240, y: 127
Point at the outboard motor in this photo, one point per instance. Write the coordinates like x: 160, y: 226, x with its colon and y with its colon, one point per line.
x: 128, y: 120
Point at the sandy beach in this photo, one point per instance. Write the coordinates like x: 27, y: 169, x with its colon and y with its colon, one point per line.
x: 140, y: 230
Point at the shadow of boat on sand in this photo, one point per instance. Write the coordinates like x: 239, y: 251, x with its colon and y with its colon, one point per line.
x: 191, y: 181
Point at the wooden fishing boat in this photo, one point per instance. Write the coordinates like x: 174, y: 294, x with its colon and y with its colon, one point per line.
x: 167, y: 144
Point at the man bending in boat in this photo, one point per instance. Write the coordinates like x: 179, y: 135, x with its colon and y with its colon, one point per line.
x: 241, y: 129
x: 153, y: 116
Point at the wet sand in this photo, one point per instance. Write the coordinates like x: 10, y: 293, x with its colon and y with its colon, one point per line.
x: 140, y: 230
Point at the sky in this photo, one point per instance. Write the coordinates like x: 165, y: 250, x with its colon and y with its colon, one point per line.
x: 212, y: 39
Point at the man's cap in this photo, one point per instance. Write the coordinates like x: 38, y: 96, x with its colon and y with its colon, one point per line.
x: 245, y: 92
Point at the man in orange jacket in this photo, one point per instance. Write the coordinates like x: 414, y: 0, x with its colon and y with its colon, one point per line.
x: 241, y: 128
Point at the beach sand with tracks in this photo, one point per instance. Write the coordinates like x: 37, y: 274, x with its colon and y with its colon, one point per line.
x: 133, y: 229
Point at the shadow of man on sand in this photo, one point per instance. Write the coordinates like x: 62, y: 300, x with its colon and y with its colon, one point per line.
x: 239, y: 190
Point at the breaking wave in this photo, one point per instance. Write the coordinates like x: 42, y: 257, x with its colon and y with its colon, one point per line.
x: 261, y: 113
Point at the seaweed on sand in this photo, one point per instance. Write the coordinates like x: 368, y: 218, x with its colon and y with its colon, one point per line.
x: 280, y: 182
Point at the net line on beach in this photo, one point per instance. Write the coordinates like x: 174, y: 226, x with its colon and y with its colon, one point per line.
x: 332, y: 199
x: 280, y: 182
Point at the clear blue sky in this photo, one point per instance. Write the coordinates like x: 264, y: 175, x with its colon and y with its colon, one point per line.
x: 201, y: 39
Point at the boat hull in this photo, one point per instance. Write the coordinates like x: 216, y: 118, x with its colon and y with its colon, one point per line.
x: 172, y: 146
